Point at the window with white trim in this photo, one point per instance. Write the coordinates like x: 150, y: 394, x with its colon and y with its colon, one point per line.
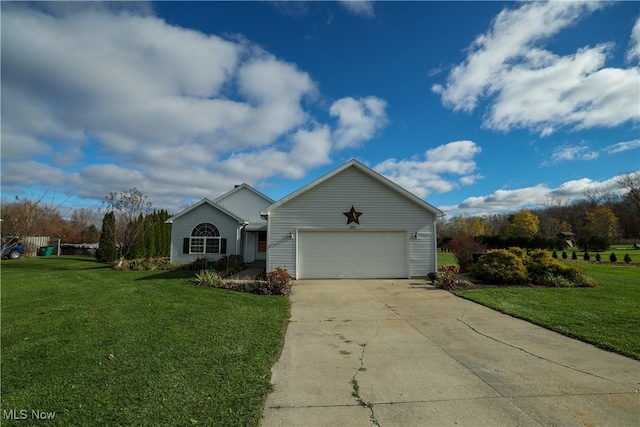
x: 205, y: 239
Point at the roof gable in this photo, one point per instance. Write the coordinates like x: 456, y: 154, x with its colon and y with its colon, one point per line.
x: 241, y: 188
x: 246, y: 203
x: 203, y: 202
x: 367, y: 171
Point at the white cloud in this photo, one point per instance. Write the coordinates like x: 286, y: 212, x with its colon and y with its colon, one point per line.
x: 358, y: 120
x: 424, y: 176
x: 511, y: 200
x: 566, y: 153
x: 529, y: 87
x: 168, y: 110
x: 359, y: 7
x: 310, y: 148
x: 623, y: 146
x: 470, y: 179
x: 582, y: 151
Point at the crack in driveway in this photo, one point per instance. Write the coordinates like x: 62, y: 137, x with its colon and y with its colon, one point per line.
x: 356, y: 389
x: 535, y: 355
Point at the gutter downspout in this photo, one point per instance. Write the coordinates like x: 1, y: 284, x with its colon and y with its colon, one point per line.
x: 238, y: 230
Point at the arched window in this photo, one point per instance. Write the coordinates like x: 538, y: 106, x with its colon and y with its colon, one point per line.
x: 205, y: 239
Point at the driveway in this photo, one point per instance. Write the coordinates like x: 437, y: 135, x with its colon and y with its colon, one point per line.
x: 401, y: 353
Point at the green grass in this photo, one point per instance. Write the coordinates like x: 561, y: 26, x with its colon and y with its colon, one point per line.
x: 607, y: 316
x: 182, y: 355
x: 446, y: 258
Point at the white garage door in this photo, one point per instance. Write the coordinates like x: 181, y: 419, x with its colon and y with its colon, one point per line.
x: 353, y: 254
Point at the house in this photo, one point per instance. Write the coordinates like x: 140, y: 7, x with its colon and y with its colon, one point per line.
x: 350, y: 223
x: 228, y: 225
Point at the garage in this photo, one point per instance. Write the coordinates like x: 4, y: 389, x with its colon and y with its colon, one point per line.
x: 352, y: 254
x: 352, y: 223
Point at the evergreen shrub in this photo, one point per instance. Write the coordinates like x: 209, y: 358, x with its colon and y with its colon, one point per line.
x: 539, y: 269
x: 107, y: 249
x: 500, y: 266
x: 519, y: 252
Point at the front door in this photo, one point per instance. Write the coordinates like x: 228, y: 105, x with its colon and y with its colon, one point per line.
x: 261, y: 247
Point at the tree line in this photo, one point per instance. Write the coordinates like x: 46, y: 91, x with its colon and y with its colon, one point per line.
x: 593, y: 222
x: 129, y: 229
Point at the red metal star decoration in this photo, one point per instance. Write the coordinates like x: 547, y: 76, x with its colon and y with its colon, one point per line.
x: 352, y: 216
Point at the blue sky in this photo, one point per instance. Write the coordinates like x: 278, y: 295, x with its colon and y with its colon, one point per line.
x: 477, y: 107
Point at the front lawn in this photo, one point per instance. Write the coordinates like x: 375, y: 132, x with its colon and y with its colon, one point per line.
x: 104, y: 347
x: 607, y: 316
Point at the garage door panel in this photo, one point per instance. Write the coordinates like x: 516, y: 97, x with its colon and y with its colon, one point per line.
x: 352, y: 254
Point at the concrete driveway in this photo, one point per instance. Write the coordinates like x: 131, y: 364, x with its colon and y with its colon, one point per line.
x: 400, y: 353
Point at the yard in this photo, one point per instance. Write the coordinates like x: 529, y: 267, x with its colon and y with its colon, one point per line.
x: 102, y: 347
x: 607, y: 316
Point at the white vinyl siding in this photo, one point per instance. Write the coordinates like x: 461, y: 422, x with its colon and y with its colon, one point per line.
x: 205, y: 213
x: 353, y: 254
x: 245, y: 204
x: 321, y: 207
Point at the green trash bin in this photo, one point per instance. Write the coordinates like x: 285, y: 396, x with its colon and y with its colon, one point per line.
x: 49, y: 251
x: 42, y: 250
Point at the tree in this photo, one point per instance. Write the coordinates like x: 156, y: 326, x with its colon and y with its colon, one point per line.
x: 93, y: 234
x: 602, y: 222
x: 107, y: 250
x: 155, y: 238
x: 461, y: 226
x: 127, y: 207
x: 495, y: 223
x: 551, y: 227
x: 631, y: 182
x: 80, y: 226
x: 522, y: 224
x: 557, y: 206
x: 463, y: 249
x: 31, y: 216
x: 628, y: 210
x: 601, y: 195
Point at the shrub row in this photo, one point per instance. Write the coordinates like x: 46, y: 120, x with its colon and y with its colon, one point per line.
x: 586, y: 256
x: 276, y: 282
x: 225, y: 266
x: 513, y: 267
x: 147, y: 264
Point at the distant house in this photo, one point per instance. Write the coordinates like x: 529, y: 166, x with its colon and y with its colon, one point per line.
x: 568, y: 237
x: 350, y: 223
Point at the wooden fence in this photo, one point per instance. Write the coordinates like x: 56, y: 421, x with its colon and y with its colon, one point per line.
x: 32, y: 244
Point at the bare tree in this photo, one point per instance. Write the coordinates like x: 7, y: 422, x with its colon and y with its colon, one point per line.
x: 495, y: 222
x: 631, y: 183
x: 81, y: 221
x: 33, y: 216
x: 601, y: 195
x: 128, y: 207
